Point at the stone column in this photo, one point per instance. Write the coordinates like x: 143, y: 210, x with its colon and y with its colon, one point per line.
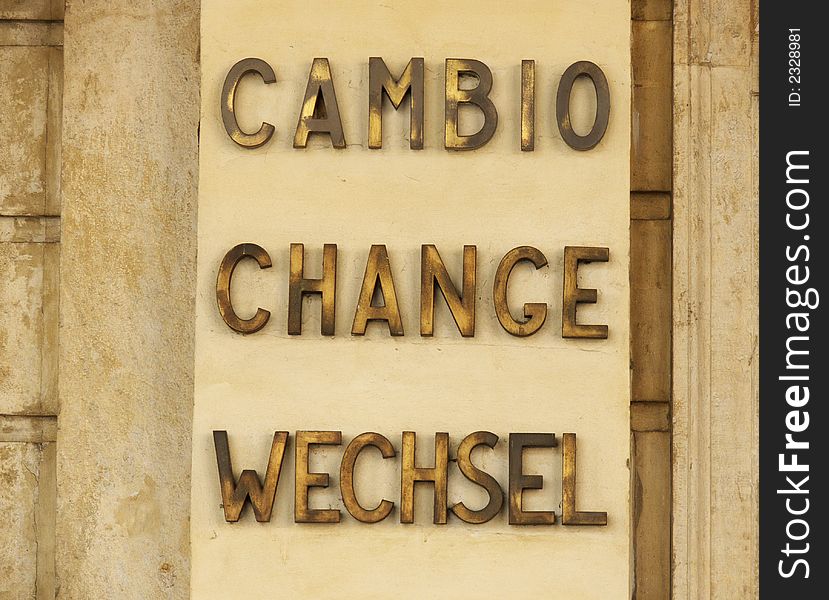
x: 715, y: 266
x: 130, y: 153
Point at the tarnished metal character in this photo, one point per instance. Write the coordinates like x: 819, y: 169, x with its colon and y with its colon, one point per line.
x: 377, y: 280
x: 535, y: 312
x: 527, y: 105
x: 482, y: 478
x: 224, y: 279
x: 249, y: 486
x: 306, y: 480
x: 300, y: 287
x: 320, y: 112
x: 518, y: 481
x: 352, y: 451
x: 462, y: 306
x: 573, y: 294
x: 411, y: 474
x: 380, y: 81
x: 229, y: 89
x: 478, y: 96
x: 569, y: 514
x: 565, y: 89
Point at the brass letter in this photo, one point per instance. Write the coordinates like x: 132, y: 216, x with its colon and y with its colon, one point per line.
x: 412, y: 475
x: 518, y: 482
x: 569, y: 514
x: 305, y: 480
x: 379, y: 81
x: 573, y: 294
x: 479, y: 96
x: 347, y: 477
x: 320, y: 112
x: 299, y: 287
x: 234, y: 494
x: 527, y: 105
x: 377, y: 277
x: 536, y: 312
x: 462, y: 307
x: 234, y: 76
x: 565, y: 89
x: 229, y: 262
x: 482, y: 478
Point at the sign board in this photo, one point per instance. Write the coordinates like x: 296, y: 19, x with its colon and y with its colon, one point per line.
x: 376, y: 284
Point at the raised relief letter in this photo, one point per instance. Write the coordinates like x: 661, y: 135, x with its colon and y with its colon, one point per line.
x: 379, y: 81
x: 479, y: 96
x: 482, y: 478
x: 299, y: 287
x: 320, y: 112
x: 573, y: 294
x: 305, y: 480
x: 229, y: 262
x: 527, y: 105
x: 536, y: 312
x: 350, y: 455
x: 565, y: 89
x: 377, y: 280
x: 518, y: 481
x: 412, y: 474
x: 234, y: 76
x: 234, y: 494
x: 569, y: 514
x: 462, y: 306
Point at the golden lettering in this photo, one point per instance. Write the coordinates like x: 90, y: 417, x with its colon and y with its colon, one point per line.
x: 381, y: 81
x: 320, y: 112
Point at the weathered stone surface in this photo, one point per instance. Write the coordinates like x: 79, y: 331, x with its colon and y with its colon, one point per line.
x: 651, y: 128
x: 651, y: 457
x: 715, y: 412
x: 650, y: 314
x: 24, y: 81
x: 19, y: 472
x: 28, y: 326
x: 31, y: 9
x: 651, y: 10
x: 127, y: 293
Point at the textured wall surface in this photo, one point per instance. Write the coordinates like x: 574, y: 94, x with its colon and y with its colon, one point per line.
x: 31, y: 76
x: 126, y: 360
x: 497, y: 197
x: 127, y: 268
x: 715, y: 262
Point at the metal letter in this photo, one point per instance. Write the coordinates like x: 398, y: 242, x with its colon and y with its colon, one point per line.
x: 482, y: 478
x: 299, y: 287
x: 347, y: 477
x: 228, y: 265
x: 379, y: 81
x: 536, y: 312
x: 234, y: 76
x: 234, y: 494
x: 462, y: 307
x: 320, y: 112
x: 565, y: 88
x: 412, y: 474
x: 573, y: 294
x: 569, y: 514
x: 479, y: 96
x: 527, y: 105
x: 518, y: 481
x: 305, y: 480
x: 378, y: 278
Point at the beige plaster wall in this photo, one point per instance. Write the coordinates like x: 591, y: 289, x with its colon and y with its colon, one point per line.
x: 497, y: 198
